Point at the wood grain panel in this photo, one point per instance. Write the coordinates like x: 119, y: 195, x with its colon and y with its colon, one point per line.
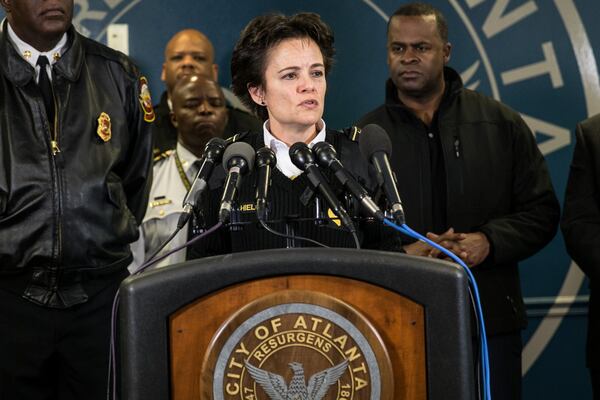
x: 398, y: 320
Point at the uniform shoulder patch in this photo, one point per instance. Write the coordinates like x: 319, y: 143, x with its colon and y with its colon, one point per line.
x: 352, y: 133
x: 237, y: 137
x: 146, y: 100
x: 161, y: 156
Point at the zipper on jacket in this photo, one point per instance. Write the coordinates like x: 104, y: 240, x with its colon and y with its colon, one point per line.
x: 456, y: 146
x: 54, y: 133
x: 57, y: 164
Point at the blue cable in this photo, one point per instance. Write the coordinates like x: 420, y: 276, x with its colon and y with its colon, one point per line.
x: 478, y: 310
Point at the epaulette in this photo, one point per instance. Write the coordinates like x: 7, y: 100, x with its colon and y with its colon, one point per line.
x: 352, y: 133
x: 161, y: 156
x: 237, y: 137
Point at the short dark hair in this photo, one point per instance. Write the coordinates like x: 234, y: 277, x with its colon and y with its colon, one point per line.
x: 248, y: 61
x: 421, y: 9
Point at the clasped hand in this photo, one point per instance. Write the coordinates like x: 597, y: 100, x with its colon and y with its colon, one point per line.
x: 472, y: 248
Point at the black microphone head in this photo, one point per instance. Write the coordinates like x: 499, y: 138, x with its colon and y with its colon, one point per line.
x: 265, y: 156
x: 239, y: 154
x: 301, y: 155
x: 214, y: 149
x: 373, y: 139
x: 325, y: 153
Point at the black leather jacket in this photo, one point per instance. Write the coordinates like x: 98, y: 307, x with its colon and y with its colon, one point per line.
x: 75, y: 211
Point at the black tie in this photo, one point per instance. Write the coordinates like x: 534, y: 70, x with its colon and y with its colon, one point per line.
x: 46, y: 88
x: 193, y: 171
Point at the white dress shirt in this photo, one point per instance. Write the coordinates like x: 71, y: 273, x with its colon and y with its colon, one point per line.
x: 282, y: 150
x: 31, y: 54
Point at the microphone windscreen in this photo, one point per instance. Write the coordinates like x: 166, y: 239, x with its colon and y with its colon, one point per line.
x: 265, y: 156
x: 373, y: 139
x: 301, y: 155
x: 239, y: 149
x: 217, y: 141
x: 296, y: 147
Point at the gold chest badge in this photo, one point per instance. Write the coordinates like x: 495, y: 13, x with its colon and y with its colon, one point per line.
x: 104, y: 127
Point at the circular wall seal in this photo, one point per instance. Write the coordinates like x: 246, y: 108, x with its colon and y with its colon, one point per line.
x: 297, y: 343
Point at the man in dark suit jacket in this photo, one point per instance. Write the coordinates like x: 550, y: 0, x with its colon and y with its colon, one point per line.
x: 581, y: 226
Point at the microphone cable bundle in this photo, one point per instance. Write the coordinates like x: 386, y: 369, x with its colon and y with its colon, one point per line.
x: 327, y: 158
x: 303, y: 158
x: 239, y: 159
x: 265, y: 162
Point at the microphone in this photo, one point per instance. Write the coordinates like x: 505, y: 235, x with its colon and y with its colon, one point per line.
x: 327, y: 158
x: 213, y: 151
x: 238, y: 160
x: 265, y: 162
x: 303, y: 158
x: 375, y: 145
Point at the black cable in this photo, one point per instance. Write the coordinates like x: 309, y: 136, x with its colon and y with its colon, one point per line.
x: 112, y: 364
x: 283, y: 235
x: 477, y: 350
x: 150, y: 260
x: 356, y: 239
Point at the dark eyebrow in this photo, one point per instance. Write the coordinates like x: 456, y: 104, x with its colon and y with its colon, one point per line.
x: 208, y: 97
x: 286, y: 68
x: 422, y: 42
x: 294, y: 68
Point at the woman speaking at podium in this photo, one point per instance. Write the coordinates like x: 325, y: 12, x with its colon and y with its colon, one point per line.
x: 279, y: 70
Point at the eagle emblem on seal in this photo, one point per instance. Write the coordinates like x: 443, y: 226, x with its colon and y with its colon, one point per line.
x: 318, y: 384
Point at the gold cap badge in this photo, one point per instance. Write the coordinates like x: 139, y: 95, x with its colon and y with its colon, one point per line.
x: 104, y: 130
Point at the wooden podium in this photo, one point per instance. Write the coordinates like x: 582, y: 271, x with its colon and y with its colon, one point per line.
x: 321, y: 323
